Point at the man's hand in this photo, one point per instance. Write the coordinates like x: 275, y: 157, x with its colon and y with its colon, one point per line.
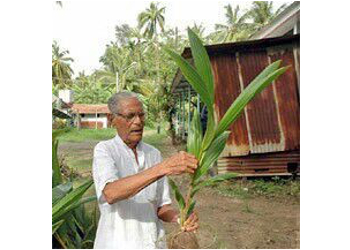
x: 179, y: 163
x: 191, y: 224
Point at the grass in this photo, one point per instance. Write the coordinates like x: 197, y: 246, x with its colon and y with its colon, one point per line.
x: 81, y: 135
x: 81, y: 158
x: 273, y: 187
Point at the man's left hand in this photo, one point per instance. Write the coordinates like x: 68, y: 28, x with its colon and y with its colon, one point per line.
x: 191, y: 224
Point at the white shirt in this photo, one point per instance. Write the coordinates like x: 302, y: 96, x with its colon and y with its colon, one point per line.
x: 133, y: 222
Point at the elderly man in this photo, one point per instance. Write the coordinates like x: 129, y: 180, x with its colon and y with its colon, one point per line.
x: 131, y: 183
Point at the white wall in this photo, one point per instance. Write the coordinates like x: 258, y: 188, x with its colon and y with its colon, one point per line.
x: 92, y: 118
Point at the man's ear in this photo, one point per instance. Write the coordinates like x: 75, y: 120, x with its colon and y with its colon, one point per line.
x: 114, y: 117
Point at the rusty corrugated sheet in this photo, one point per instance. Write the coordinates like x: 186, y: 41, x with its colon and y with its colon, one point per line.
x: 226, y: 74
x: 287, y: 99
x: 265, y: 138
x: 264, y: 131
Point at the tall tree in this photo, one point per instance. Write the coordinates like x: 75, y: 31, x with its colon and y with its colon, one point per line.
x: 117, y: 65
x: 262, y: 12
x: 61, y: 69
x: 236, y: 28
x: 151, y: 19
x: 90, y: 90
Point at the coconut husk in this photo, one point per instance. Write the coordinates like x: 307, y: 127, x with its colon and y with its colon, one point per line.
x: 184, y: 240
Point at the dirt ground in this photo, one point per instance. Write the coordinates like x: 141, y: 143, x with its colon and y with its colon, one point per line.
x: 253, y: 223
x: 229, y: 222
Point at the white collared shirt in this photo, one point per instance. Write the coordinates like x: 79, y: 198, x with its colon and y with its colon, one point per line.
x: 133, y: 222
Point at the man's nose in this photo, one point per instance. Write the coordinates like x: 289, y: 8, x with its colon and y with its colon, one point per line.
x: 137, y: 119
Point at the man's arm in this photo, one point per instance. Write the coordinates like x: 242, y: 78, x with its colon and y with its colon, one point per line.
x: 129, y: 186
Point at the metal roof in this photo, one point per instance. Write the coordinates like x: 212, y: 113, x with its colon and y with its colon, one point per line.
x: 179, y: 83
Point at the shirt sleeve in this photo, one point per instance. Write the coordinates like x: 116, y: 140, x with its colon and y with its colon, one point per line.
x: 163, y: 191
x: 104, y: 170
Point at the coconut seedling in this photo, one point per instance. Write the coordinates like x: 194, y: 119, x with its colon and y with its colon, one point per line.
x: 208, y: 148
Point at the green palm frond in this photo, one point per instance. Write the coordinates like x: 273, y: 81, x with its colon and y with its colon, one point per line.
x: 213, y: 143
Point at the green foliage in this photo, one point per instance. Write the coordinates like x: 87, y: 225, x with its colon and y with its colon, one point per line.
x: 178, y: 196
x: 190, y: 208
x: 68, y: 226
x: 210, y: 156
x: 61, y: 70
x: 194, y: 140
x: 56, y: 171
x: 269, y: 187
x: 237, y: 27
x: 214, y: 141
x: 80, y: 135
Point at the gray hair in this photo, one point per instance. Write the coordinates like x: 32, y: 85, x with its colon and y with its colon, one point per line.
x: 116, y: 99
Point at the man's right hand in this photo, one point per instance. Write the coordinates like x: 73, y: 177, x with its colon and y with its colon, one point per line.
x: 179, y: 163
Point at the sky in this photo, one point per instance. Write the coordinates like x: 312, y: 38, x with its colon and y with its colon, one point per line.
x: 85, y: 27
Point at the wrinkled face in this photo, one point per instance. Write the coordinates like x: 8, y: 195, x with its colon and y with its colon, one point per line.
x: 130, y: 121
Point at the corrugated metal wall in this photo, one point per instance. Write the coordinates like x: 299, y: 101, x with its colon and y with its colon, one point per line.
x: 270, y: 122
x: 265, y: 138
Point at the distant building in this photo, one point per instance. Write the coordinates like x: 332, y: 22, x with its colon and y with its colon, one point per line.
x: 92, y: 115
x: 60, y: 109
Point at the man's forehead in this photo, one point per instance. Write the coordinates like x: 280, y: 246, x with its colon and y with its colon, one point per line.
x: 131, y: 103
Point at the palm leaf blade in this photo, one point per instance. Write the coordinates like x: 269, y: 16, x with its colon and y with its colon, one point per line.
x: 69, y: 199
x: 202, y: 62
x: 192, y: 76
x: 178, y: 196
x: 194, y: 140
x: 211, y: 155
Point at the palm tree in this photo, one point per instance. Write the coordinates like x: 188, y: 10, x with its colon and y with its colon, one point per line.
x: 262, y: 12
x: 117, y: 66
x: 61, y: 69
x: 151, y: 19
x: 199, y: 31
x: 90, y: 90
x: 236, y: 27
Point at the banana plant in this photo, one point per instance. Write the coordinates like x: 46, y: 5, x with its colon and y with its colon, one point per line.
x: 208, y: 148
